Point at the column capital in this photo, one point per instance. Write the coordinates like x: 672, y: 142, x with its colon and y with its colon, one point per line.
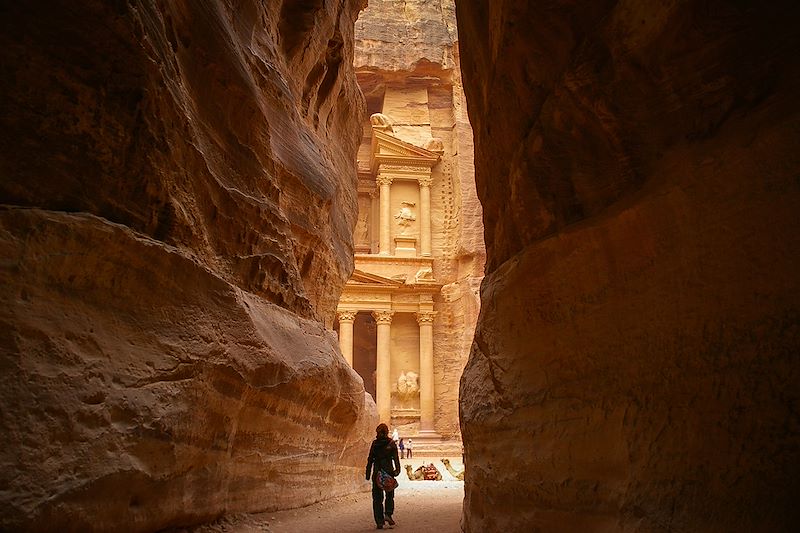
x: 346, y: 315
x: 425, y: 181
x: 383, y: 179
x: 425, y: 317
x: 383, y: 317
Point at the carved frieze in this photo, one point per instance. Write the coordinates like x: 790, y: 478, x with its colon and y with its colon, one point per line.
x: 364, y: 298
x: 407, y: 168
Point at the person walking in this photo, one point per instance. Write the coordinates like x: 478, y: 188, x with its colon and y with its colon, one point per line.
x: 402, y: 448
x: 382, y: 458
x: 409, y: 448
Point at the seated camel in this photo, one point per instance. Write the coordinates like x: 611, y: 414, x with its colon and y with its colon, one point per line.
x: 416, y: 475
x: 458, y: 475
x: 431, y: 473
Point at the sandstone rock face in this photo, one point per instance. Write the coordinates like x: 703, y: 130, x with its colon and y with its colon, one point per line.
x: 407, y: 64
x: 635, y: 366
x: 400, y: 36
x: 179, y: 197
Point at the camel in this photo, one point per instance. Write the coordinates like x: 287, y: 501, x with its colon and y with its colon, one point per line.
x: 417, y: 475
x: 428, y: 473
x: 458, y: 475
x: 431, y: 473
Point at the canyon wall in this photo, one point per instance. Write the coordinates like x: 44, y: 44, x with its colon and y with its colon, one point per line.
x: 178, y: 190
x: 407, y: 65
x: 635, y: 365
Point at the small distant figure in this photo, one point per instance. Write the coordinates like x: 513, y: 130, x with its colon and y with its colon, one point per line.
x: 395, y: 435
x: 409, y: 448
x: 402, y: 448
x: 382, y: 461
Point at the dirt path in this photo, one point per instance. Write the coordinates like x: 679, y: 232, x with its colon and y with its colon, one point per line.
x: 419, y: 506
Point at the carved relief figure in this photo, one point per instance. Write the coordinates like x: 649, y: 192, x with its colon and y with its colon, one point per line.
x: 362, y: 229
x: 405, y: 216
x: 406, y: 389
x: 435, y: 145
x: 424, y: 274
x: 382, y: 122
x: 407, y: 383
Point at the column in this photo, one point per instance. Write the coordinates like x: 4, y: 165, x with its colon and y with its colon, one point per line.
x: 425, y: 214
x: 426, y: 402
x: 385, y: 183
x: 384, y: 381
x: 346, y: 319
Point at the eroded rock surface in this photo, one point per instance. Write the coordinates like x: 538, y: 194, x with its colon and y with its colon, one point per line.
x: 635, y: 363
x: 179, y: 190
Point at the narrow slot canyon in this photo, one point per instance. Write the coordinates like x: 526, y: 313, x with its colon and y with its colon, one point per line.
x: 556, y: 245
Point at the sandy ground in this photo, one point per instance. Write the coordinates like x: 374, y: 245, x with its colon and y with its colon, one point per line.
x: 419, y: 506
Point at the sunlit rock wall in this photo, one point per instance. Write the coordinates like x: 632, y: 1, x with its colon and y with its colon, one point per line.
x: 407, y: 63
x: 636, y: 362
x: 178, y: 181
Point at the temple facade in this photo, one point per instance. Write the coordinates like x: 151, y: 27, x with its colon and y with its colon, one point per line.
x: 393, y: 285
x: 407, y: 315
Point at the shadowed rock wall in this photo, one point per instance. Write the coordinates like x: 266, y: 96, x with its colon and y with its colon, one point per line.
x: 178, y: 181
x: 635, y: 366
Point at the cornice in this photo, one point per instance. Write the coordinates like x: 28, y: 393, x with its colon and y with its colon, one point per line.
x: 377, y: 258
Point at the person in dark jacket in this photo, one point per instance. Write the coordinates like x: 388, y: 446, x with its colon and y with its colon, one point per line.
x: 382, y: 456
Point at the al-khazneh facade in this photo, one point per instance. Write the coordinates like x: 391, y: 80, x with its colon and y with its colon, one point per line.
x: 407, y: 315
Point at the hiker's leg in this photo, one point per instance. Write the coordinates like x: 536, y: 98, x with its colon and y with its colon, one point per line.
x: 389, y: 503
x: 377, y: 504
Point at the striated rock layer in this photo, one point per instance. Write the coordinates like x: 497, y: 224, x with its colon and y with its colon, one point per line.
x: 179, y: 190
x: 635, y: 366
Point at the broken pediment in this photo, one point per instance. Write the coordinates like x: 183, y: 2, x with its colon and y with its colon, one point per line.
x: 389, y: 150
x: 360, y: 277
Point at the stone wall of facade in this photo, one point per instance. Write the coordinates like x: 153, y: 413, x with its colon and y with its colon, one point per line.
x: 178, y: 190
x: 407, y: 64
x: 635, y: 365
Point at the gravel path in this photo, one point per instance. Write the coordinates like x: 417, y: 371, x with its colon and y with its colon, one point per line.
x: 419, y: 506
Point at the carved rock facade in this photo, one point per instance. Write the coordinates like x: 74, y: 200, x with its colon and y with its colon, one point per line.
x: 419, y: 245
x: 635, y: 365
x: 179, y: 189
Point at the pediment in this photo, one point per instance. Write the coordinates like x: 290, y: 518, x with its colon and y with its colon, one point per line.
x: 360, y: 277
x: 388, y: 148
